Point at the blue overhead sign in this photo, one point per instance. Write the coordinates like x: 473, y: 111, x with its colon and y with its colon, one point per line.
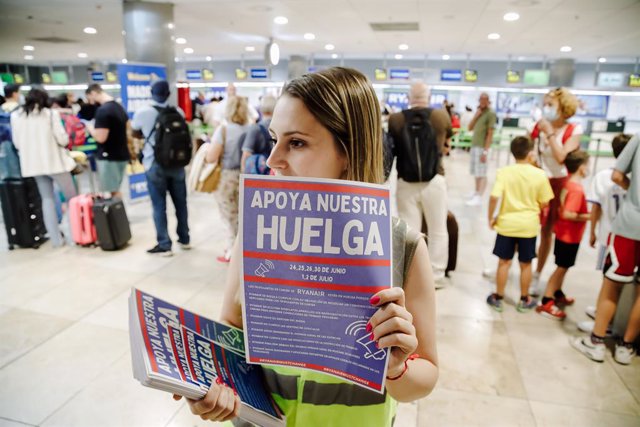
x: 97, y: 76
x: 194, y: 75
x: 399, y: 74
x: 450, y: 75
x: 259, y: 73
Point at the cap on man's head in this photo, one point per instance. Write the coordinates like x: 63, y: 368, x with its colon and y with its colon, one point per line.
x: 160, y: 91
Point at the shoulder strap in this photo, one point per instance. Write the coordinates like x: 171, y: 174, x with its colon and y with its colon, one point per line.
x: 535, y: 132
x: 568, y: 132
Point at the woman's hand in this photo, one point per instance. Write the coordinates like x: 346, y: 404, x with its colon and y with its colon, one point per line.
x: 392, y: 327
x: 220, y: 403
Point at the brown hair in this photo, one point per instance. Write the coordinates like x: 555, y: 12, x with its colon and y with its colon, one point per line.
x: 237, y: 110
x: 575, y: 159
x: 619, y: 142
x: 567, y: 102
x: 521, y: 146
x: 344, y: 102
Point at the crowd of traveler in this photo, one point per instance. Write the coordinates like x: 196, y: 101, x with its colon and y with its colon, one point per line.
x: 328, y: 125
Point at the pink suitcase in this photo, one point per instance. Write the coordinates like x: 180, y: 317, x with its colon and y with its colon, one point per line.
x: 83, y: 229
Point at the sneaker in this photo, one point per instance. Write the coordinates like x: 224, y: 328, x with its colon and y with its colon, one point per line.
x: 534, y: 287
x: 184, y: 246
x: 495, y: 303
x: 591, y: 311
x: 623, y: 354
x: 551, y: 311
x: 489, y: 273
x: 564, y: 301
x: 470, y: 195
x: 223, y: 258
x: 587, y: 326
x: 585, y: 346
x: 442, y: 282
x: 526, y: 306
x: 474, y: 201
x: 157, y: 250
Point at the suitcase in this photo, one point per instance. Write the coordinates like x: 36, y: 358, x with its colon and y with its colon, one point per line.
x: 111, y: 222
x: 22, y: 212
x: 83, y: 229
x: 452, y: 231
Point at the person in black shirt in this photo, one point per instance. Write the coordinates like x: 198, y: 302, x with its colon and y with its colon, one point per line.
x: 110, y: 132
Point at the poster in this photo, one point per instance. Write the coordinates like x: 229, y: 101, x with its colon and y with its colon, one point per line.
x: 135, y: 84
x: 518, y: 104
x: 314, y: 252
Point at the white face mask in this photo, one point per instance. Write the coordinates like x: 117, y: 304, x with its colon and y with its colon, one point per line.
x: 550, y: 113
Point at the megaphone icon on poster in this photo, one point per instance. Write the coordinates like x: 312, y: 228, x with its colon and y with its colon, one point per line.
x: 264, y: 268
x: 359, y: 328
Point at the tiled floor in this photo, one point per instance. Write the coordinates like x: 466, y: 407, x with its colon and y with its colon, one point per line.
x: 64, y: 349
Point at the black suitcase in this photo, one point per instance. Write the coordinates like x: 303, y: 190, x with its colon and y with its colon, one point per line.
x: 112, y: 224
x: 22, y: 212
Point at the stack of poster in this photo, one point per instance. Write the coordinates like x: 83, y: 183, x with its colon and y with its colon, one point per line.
x: 314, y: 253
x: 180, y: 352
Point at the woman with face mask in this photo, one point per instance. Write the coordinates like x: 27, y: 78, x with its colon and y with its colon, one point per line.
x: 556, y: 138
x: 327, y: 125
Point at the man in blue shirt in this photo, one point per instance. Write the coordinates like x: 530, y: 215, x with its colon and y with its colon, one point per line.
x: 161, y: 180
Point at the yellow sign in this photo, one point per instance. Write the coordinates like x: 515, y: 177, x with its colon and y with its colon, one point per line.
x: 241, y: 74
x: 513, y: 76
x: 634, y: 80
x: 380, y: 74
x: 207, y: 74
x: 111, y: 77
x: 46, y: 78
x: 470, y: 76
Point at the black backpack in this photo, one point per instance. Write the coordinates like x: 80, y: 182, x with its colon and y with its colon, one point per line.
x: 173, y: 146
x: 416, y: 148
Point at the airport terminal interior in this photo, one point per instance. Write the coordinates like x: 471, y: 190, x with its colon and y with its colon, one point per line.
x: 65, y: 348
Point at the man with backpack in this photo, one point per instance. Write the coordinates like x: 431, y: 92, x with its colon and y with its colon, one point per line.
x: 419, y: 135
x: 256, y: 146
x: 166, y: 151
x: 12, y: 98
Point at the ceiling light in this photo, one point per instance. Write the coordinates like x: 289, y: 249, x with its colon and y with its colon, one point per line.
x: 209, y: 58
x: 403, y: 46
x: 272, y: 53
x: 170, y: 26
x: 280, y: 20
x: 329, y: 46
x: 188, y: 50
x: 90, y: 30
x: 28, y: 57
x: 309, y: 36
x: 511, y: 16
x: 29, y: 48
x: 493, y: 36
x: 176, y: 59
x: 445, y: 57
x: 82, y: 55
x: 565, y: 49
x: 398, y: 56
x: 124, y: 60
x: 334, y: 56
x: 521, y: 58
x: 181, y: 40
x: 250, y: 49
x: 602, y: 60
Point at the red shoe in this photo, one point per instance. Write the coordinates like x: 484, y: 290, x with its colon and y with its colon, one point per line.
x: 223, y: 258
x: 564, y: 301
x: 551, y: 311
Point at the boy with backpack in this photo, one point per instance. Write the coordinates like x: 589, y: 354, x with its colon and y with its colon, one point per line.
x: 167, y: 150
x: 525, y: 191
x: 418, y: 136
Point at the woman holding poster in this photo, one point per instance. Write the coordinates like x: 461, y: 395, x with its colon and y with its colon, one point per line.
x: 328, y: 125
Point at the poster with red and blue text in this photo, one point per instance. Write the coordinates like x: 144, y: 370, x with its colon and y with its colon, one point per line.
x: 314, y: 252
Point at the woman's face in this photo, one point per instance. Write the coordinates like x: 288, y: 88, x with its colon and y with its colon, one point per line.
x: 303, y: 146
x: 550, y: 101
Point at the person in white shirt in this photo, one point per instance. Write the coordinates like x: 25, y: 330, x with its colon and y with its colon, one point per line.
x: 40, y: 138
x: 605, y: 197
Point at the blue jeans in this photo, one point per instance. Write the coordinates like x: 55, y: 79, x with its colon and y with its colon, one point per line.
x: 49, y: 197
x: 159, y: 181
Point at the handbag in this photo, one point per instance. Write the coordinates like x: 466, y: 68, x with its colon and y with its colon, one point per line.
x: 209, y: 177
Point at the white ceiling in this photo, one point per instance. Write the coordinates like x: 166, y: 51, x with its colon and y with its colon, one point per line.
x: 222, y: 28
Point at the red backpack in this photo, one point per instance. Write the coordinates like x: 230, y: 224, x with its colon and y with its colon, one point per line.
x: 76, y: 130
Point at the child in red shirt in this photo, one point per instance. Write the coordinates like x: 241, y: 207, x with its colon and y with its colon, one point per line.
x: 573, y: 215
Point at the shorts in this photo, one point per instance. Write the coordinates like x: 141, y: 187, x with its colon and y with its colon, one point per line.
x: 623, y: 259
x: 549, y: 214
x: 110, y: 174
x: 477, y: 168
x: 565, y: 253
x: 505, y: 248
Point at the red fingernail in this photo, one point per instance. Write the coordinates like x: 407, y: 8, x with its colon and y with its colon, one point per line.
x: 235, y: 393
x: 374, y: 300
x: 377, y: 345
x: 371, y: 337
x: 369, y: 328
x: 219, y: 381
